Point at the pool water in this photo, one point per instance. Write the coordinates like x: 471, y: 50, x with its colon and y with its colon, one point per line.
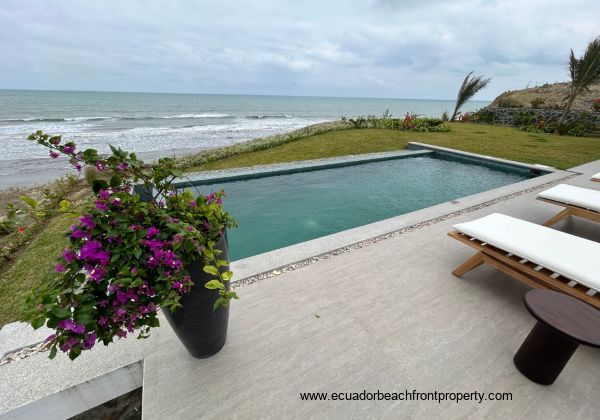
x: 277, y: 211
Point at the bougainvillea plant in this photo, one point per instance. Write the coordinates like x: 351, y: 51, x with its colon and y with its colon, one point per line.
x: 127, y: 256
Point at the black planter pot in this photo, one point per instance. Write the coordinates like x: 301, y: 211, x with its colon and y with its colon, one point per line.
x: 201, y: 330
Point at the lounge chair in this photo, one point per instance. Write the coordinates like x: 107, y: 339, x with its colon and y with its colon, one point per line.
x: 535, y: 255
x: 580, y: 202
x: 596, y: 178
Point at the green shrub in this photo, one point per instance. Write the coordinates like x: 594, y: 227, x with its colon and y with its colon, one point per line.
x: 410, y: 122
x: 483, y: 116
x: 578, y: 128
x: 524, y: 118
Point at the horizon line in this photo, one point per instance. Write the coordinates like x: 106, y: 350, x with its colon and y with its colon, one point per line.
x: 235, y: 94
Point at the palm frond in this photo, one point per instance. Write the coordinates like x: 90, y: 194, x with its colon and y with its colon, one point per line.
x: 584, y: 72
x: 470, y: 86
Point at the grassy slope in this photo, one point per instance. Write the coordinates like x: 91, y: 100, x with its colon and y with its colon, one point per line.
x: 504, y: 142
x: 33, y: 265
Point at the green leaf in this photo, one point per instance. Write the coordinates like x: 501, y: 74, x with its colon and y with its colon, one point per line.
x: 214, y: 284
x: 52, y: 354
x: 99, y: 184
x: 83, y: 318
x: 220, y: 301
x: 64, y: 205
x: 38, y: 322
x: 60, y: 312
x: 74, y: 353
x: 29, y: 201
x: 227, y: 275
x: 210, y: 269
x: 137, y: 252
x: 116, y: 181
x: 154, y: 322
x: 222, y: 263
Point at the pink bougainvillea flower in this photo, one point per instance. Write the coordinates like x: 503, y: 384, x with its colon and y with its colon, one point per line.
x: 92, y: 251
x: 77, y: 166
x: 79, y: 234
x: 152, y: 232
x: 60, y: 268
x: 69, y: 255
x: 100, y: 165
x: 89, y: 341
x: 69, y: 344
x: 122, y: 166
x: 53, y: 154
x: 101, y: 205
x: 68, y: 148
x: 97, y: 274
x: 70, y: 325
x: 104, y: 195
x: 20, y: 230
x: 87, y: 221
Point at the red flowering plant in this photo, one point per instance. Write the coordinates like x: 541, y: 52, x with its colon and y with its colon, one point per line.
x: 127, y: 256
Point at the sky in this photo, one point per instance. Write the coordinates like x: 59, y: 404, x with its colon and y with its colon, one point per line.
x: 359, y: 48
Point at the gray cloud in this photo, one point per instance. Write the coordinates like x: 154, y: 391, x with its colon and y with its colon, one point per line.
x: 382, y: 48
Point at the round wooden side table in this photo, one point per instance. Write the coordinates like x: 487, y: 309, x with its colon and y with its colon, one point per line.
x: 563, y: 323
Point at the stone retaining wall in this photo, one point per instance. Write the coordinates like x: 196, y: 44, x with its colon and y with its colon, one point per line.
x: 505, y: 115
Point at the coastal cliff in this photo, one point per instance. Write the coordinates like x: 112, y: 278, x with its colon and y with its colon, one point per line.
x: 549, y: 96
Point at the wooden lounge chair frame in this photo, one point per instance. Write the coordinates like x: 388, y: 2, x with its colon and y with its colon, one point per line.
x: 522, y: 270
x: 570, y: 210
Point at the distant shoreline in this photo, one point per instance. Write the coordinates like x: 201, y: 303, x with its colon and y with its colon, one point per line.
x: 39, y: 171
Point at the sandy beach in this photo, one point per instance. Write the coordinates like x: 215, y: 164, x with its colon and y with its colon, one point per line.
x: 38, y: 171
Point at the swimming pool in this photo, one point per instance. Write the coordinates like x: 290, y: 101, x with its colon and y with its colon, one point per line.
x: 277, y: 210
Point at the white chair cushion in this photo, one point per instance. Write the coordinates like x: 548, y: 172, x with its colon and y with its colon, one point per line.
x: 596, y: 177
x: 576, y: 196
x: 571, y: 256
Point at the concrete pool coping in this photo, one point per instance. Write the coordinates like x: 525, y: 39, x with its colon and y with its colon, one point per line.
x: 263, y: 171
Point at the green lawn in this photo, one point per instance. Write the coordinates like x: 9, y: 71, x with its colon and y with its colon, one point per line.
x: 33, y: 265
x: 505, y: 142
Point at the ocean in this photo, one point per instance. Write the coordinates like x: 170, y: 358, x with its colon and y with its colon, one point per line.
x: 159, y: 124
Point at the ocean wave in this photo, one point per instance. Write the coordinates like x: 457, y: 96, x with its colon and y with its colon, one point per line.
x: 17, y: 120
x: 200, y: 116
x: 103, y: 118
x: 260, y: 117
